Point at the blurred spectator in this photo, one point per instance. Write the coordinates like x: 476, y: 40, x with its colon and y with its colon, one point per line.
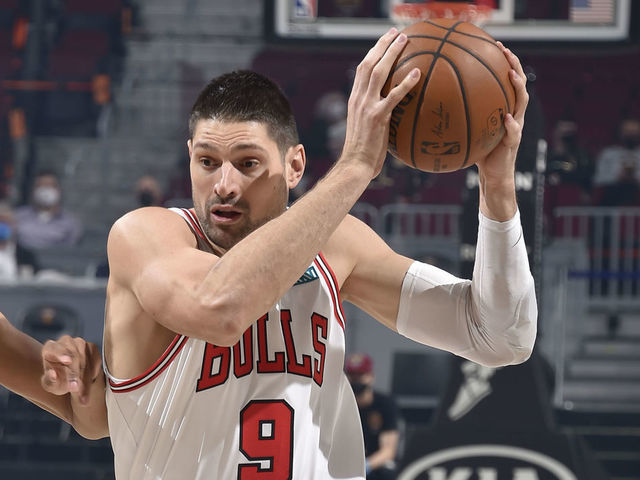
x: 330, y: 109
x: 148, y: 192
x: 178, y: 193
x: 15, y: 260
x: 379, y: 417
x: 324, y: 139
x: 45, y: 223
x: 617, y: 175
x: 569, y: 162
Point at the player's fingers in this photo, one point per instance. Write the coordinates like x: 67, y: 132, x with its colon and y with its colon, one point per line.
x: 53, y: 380
x: 381, y: 71
x: 56, y: 352
x: 397, y: 93
x: 376, y: 52
x: 513, y: 60
x: 75, y: 368
x: 91, y: 370
x: 371, y: 59
x: 513, y: 131
x: 522, y: 96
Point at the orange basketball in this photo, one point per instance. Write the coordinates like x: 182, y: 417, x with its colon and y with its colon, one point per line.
x: 454, y: 116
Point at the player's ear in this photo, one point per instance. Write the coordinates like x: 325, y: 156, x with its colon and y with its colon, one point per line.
x: 295, y: 161
x: 189, y: 146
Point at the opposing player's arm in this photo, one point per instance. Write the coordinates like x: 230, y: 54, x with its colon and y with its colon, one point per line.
x: 21, y: 371
x: 490, y: 320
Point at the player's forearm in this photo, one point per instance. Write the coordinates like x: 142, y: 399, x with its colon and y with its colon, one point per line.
x: 502, y: 292
x: 90, y: 419
x: 265, y: 264
x: 490, y: 320
x: 21, y: 369
x: 498, y: 197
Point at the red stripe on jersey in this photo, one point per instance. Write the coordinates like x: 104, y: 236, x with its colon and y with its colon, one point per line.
x: 335, y: 281
x: 329, y: 279
x: 152, y: 372
x: 193, y: 221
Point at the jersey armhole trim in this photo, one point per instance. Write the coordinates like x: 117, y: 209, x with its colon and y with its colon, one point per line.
x: 332, y: 283
x: 122, y: 386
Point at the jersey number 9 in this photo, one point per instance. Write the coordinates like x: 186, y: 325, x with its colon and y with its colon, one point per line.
x: 266, y: 436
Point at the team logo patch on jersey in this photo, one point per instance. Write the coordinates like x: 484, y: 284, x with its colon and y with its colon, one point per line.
x: 309, y: 276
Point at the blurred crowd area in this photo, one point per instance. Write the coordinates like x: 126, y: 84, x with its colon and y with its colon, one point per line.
x: 71, y: 71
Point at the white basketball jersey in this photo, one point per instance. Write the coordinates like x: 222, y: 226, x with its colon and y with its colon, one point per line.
x: 276, y: 406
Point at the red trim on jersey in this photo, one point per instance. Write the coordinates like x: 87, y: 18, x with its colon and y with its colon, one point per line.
x: 152, y: 372
x: 193, y: 221
x: 332, y: 284
x: 335, y: 281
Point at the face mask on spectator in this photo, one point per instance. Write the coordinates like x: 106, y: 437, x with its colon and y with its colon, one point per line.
x: 46, y: 196
x: 145, y: 198
x: 359, y: 387
x: 5, y: 232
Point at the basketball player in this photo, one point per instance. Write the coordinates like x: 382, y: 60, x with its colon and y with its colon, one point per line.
x: 224, y: 332
x: 72, y: 385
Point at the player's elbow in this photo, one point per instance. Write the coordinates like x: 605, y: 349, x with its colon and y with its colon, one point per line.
x: 224, y: 323
x: 515, y: 345
x: 512, y: 355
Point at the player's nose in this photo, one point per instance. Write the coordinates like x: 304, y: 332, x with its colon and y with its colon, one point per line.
x: 227, y: 184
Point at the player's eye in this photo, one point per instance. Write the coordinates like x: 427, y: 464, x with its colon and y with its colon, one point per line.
x: 249, y: 163
x: 206, y: 162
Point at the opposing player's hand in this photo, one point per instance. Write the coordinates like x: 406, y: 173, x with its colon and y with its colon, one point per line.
x: 70, y: 365
x: 369, y: 112
x: 499, y: 166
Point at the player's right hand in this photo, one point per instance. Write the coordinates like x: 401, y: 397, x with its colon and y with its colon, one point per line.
x: 70, y: 365
x: 369, y: 113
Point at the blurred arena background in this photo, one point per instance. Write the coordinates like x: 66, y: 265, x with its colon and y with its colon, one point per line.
x: 96, y: 95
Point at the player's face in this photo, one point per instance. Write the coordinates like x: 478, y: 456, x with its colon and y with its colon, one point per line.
x: 239, y: 179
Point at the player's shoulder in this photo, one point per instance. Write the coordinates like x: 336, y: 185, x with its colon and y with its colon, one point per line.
x: 147, y: 225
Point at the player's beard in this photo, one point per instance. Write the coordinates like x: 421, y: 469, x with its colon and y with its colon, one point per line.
x: 226, y: 237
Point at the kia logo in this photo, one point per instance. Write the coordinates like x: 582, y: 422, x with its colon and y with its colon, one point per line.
x: 486, y: 462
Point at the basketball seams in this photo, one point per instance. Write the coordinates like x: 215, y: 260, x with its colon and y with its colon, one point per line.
x: 466, y: 107
x: 485, y: 65
x: 455, y: 31
x: 413, y: 55
x: 423, y: 89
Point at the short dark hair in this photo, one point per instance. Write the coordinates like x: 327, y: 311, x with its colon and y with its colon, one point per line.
x: 245, y: 96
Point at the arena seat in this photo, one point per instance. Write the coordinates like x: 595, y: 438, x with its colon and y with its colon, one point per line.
x: 107, y: 7
x: 91, y: 42
x: 44, y: 321
x: 10, y: 60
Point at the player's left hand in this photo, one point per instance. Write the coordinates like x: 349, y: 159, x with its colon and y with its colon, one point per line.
x: 498, y: 168
x: 71, y: 365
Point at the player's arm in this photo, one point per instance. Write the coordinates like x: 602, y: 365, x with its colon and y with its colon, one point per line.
x: 490, y: 320
x: 74, y: 377
x: 496, y: 172
x: 206, y: 297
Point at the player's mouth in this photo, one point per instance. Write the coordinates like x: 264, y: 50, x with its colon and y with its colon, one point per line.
x: 225, y: 214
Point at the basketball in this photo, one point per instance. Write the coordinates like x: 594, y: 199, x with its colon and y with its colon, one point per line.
x: 454, y: 116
